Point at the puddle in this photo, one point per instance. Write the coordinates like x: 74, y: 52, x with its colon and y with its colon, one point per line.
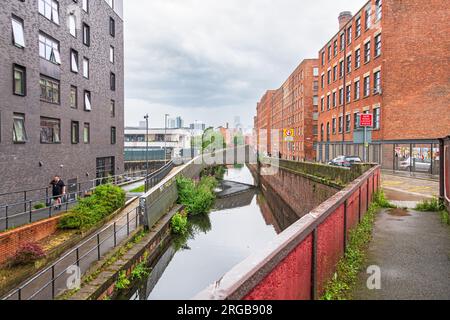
x: 399, y: 212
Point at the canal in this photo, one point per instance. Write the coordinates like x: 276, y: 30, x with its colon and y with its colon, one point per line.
x: 238, y: 226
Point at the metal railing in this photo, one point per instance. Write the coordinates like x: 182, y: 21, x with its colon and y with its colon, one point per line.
x: 24, y: 212
x: 53, y: 280
x: 156, y: 177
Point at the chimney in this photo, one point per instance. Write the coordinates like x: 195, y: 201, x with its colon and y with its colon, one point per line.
x: 344, y: 17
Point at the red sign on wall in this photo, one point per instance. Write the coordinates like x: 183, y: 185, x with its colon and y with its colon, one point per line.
x: 366, y: 120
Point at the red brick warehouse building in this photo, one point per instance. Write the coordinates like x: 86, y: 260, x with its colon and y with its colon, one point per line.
x: 292, y: 107
x: 390, y: 59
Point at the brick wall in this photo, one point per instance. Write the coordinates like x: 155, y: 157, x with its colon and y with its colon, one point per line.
x: 416, y: 69
x: 12, y: 240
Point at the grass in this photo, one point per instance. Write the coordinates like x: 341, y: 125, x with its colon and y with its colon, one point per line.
x: 433, y: 205
x: 140, y: 189
x: 348, y: 268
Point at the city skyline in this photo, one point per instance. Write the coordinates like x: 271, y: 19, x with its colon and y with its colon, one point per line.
x: 201, y: 67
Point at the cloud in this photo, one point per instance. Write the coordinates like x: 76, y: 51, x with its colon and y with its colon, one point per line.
x: 212, y: 60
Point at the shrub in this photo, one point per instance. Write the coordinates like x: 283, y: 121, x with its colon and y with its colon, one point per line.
x: 433, y: 205
x: 122, y: 282
x: 28, y: 253
x: 179, y: 224
x: 38, y: 206
x: 105, y: 200
x: 140, y: 271
x: 197, y: 199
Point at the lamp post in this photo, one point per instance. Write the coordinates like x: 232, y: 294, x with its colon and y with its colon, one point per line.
x: 146, y: 117
x: 165, y: 138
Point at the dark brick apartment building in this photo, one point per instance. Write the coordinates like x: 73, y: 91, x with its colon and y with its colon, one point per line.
x: 62, y: 91
x: 287, y: 117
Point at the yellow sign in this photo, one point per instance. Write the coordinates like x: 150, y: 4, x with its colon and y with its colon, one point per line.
x: 288, y: 135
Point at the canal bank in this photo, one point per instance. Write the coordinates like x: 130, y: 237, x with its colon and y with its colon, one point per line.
x: 238, y: 225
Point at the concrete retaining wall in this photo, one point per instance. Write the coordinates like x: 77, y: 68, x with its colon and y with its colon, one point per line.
x: 301, y: 260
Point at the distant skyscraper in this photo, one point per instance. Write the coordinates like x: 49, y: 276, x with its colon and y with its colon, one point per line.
x: 176, y: 123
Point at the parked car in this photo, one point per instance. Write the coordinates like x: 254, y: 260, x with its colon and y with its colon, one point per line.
x: 418, y: 164
x: 345, y: 161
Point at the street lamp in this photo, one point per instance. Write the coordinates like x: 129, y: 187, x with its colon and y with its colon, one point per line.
x: 146, y: 117
x: 165, y: 137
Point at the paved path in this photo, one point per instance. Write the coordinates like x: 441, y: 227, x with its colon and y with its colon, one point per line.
x: 409, y: 188
x: 411, y: 248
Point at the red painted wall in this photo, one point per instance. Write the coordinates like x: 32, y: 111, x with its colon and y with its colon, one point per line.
x: 290, y: 280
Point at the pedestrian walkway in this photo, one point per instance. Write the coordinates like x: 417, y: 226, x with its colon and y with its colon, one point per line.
x: 400, y: 188
x: 42, y: 287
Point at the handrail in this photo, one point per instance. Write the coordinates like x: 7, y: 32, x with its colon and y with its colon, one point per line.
x: 76, y: 251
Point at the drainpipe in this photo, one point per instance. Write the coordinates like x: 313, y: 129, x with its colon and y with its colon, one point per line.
x: 344, y: 88
x: 442, y: 170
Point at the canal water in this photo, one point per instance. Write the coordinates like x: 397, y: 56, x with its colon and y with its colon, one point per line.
x: 236, y: 228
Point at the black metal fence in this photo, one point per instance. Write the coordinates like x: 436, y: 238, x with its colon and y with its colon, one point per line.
x: 156, y: 177
x: 57, y: 278
x: 37, y: 204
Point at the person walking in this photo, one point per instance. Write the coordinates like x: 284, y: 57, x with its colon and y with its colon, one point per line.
x: 58, y: 190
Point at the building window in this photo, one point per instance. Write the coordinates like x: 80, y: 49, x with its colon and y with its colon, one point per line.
x: 20, y: 80
x: 368, y: 17
x: 357, y: 58
x: 87, y: 101
x: 377, y: 82
x: 348, y: 122
x: 328, y: 131
x: 357, y: 89
x: 341, y: 96
x: 50, y: 130
x: 73, y: 98
x: 111, y: 54
x: 334, y: 73
x: 85, y: 5
x: 356, y: 120
x: 329, y: 77
x: 334, y: 125
x: 348, y: 93
x: 75, y: 132
x: 341, y: 69
x: 358, y: 27
x: 86, y: 68
x: 49, y: 90
x: 322, y: 104
x: 18, y: 34
x: 86, y: 133
x: 112, y: 81
x: 341, y: 119
x: 315, y: 101
x: 50, y: 10
x: 113, y: 135
x: 334, y: 100
x: 367, y: 52
x: 342, y: 41
x: 376, y: 118
x: 349, y: 64
x: 335, y: 47
x: 367, y: 86
x: 73, y: 61
x: 19, y: 132
x: 328, y: 102
x: 86, y: 35
x: 315, y: 86
x: 379, y: 9
x: 349, y: 35
x: 49, y: 48
x: 112, y: 27
x: 378, y: 45
x: 322, y: 81
x: 113, y: 109
x: 73, y: 25
x: 323, y: 58
x: 322, y: 132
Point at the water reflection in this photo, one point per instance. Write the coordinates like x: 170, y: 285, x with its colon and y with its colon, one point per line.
x: 239, y: 226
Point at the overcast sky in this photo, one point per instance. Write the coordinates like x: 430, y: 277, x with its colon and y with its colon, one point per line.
x: 212, y: 60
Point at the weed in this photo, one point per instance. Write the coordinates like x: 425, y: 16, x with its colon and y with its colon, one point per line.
x: 122, y: 282
x: 433, y: 205
x: 179, y: 223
